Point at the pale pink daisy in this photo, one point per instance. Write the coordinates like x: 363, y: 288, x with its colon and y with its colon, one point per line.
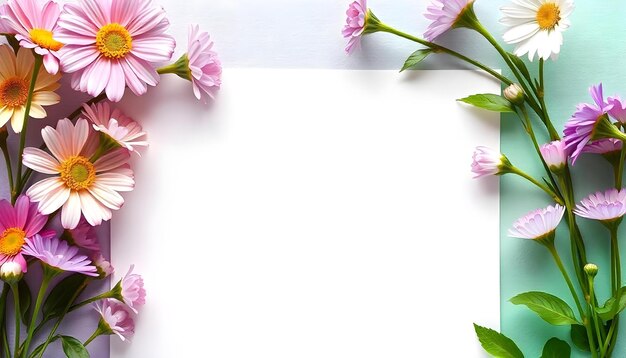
x: 78, y: 185
x: 18, y: 223
x: 446, y: 15
x: 355, y: 24
x: 59, y: 255
x: 538, y: 224
x: 35, y: 25
x: 606, y: 207
x: 113, y: 44
x: 204, y: 65
x: 487, y: 161
x: 554, y: 154
x: 130, y: 290
x: 122, y: 129
x: 115, y: 318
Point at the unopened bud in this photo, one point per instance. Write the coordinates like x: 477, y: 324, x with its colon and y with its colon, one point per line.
x: 514, y: 93
x: 11, y: 272
x: 591, y: 270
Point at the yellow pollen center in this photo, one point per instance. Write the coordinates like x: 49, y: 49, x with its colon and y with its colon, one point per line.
x: 14, y: 92
x: 11, y: 241
x: 114, y: 41
x: 78, y: 173
x: 548, y: 16
x: 44, y: 39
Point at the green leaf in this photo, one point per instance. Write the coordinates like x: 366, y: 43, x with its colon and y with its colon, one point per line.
x: 25, y: 301
x: 613, y: 306
x: 497, y: 344
x: 579, y: 337
x: 39, y: 348
x: 520, y: 65
x: 415, y: 58
x: 60, y: 296
x: 551, y: 308
x: 73, y: 348
x: 556, y: 348
x: 490, y: 102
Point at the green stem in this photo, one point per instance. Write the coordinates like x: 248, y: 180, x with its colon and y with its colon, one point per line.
x: 16, y: 303
x: 108, y: 294
x: 95, y: 335
x: 594, y: 316
x: 541, y: 186
x: 616, y: 256
x: 48, y: 275
x: 439, y: 48
x: 3, y: 304
x: 29, y: 102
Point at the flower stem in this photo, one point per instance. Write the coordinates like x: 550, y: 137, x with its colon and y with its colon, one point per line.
x: 3, y: 331
x: 29, y: 102
x: 48, y: 275
x: 439, y: 48
x: 18, y: 314
x: 594, y: 316
x: 95, y: 335
x: 543, y: 187
x: 108, y: 294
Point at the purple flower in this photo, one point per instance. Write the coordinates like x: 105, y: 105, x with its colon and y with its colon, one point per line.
x: 606, y: 207
x: 619, y: 109
x: 554, y: 154
x: 538, y: 224
x: 115, y: 317
x: 355, y: 24
x: 58, y: 254
x: 603, y: 146
x: 85, y: 236
x: 445, y: 15
x: 487, y: 162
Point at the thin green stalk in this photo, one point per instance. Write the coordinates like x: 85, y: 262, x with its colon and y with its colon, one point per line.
x: 108, y: 294
x: 594, y: 317
x: 95, y: 335
x: 618, y: 266
x: 3, y: 330
x: 29, y: 102
x: 534, y: 181
x: 439, y: 48
x: 48, y: 275
x: 18, y: 313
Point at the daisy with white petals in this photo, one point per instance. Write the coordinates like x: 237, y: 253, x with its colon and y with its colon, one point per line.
x: 537, y: 26
x: 79, y: 186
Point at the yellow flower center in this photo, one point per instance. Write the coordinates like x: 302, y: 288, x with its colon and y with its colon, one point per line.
x: 78, y: 173
x: 548, y: 16
x: 44, y: 39
x: 114, y: 41
x: 11, y: 241
x: 14, y: 92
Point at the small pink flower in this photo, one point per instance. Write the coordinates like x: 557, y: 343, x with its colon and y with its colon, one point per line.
x: 554, y: 154
x: 487, y: 162
x: 119, y: 127
x: 355, y: 24
x: 538, y: 223
x: 133, y: 292
x: 58, y: 254
x: 113, y: 44
x: 116, y: 318
x: 607, y: 206
x: 17, y: 224
x: 204, y: 65
x: 445, y: 15
x: 35, y: 25
x: 105, y: 269
x: 85, y: 236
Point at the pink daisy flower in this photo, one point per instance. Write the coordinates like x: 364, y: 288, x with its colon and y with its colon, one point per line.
x: 603, y: 146
x: 355, y: 24
x: 133, y: 294
x: 113, y: 44
x: 78, y: 185
x: 487, y: 161
x: 59, y: 255
x: 554, y: 154
x: 115, y: 318
x: 35, y: 25
x: 538, y: 224
x: 17, y: 224
x: 204, y: 65
x: 589, y: 121
x: 446, y: 15
x: 122, y: 129
x: 606, y: 207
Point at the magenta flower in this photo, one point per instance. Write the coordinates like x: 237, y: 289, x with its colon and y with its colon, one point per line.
x: 115, y: 318
x: 122, y: 129
x: 445, y: 15
x: 133, y: 293
x: 487, y: 161
x: 204, y: 65
x: 85, y: 236
x: 17, y: 224
x: 355, y: 24
x: 581, y: 128
x: 603, y: 146
x: 606, y: 207
x: 554, y: 154
x: 113, y: 44
x: 35, y: 25
x: 619, y: 108
x: 538, y: 224
x: 59, y: 255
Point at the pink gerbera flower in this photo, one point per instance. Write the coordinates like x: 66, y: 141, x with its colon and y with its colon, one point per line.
x: 538, y: 224
x: 355, y: 24
x: 113, y: 44
x: 17, y: 224
x: 115, y: 319
x: 446, y: 15
x: 59, y: 255
x: 204, y: 65
x: 606, y: 207
x: 79, y: 185
x: 35, y: 25
x: 122, y: 129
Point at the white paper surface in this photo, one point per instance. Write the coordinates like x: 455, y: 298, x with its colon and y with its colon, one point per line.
x: 313, y: 213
